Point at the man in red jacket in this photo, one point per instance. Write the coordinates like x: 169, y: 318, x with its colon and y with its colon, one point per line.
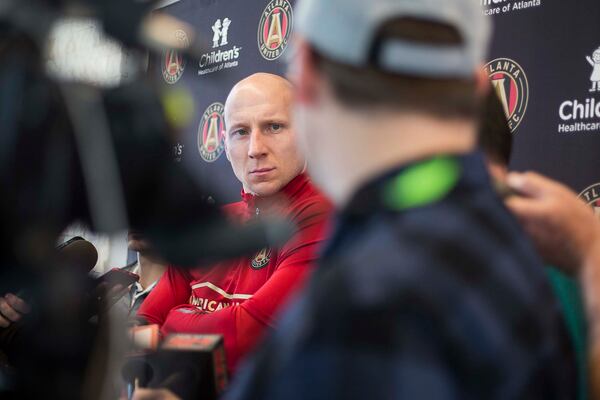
x: 239, y: 298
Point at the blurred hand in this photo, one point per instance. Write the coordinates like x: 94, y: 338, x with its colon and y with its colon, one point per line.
x: 12, y: 308
x: 154, y: 394
x: 108, y: 295
x: 562, y: 227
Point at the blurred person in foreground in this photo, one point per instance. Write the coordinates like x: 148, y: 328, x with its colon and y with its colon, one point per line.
x: 495, y: 139
x: 428, y: 288
x: 239, y: 298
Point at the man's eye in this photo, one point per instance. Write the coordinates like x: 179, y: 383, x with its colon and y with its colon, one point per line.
x: 276, y: 127
x: 239, y: 132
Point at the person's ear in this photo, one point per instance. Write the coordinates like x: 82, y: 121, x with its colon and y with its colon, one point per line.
x: 303, y: 73
x: 482, y: 82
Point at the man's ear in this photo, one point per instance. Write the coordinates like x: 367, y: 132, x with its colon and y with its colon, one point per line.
x: 303, y: 73
x: 482, y: 82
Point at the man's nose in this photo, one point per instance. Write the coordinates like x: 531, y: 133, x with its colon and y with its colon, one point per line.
x: 256, y: 148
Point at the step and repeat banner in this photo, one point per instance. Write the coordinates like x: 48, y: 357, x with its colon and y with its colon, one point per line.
x: 544, y: 64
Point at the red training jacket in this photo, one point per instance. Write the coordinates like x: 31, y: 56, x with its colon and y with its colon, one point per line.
x: 239, y: 298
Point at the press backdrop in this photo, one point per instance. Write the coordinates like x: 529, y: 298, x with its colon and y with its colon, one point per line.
x: 544, y: 64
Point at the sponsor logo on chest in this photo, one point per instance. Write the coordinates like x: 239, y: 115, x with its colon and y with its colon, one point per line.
x: 208, y: 297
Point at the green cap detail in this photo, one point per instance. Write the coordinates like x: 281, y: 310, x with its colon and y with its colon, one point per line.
x: 423, y: 183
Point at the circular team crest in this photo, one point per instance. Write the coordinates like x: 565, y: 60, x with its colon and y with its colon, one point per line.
x: 261, y: 258
x: 211, y: 133
x: 173, y: 62
x: 275, y: 28
x: 510, y: 84
x: 591, y: 195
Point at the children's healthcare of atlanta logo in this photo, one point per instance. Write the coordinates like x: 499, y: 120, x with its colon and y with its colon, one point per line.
x: 496, y: 7
x: 223, y: 55
x: 583, y: 114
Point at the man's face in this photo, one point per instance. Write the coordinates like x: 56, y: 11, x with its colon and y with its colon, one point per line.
x: 259, y: 141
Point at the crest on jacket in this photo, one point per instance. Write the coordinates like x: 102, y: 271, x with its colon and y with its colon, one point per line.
x: 261, y: 258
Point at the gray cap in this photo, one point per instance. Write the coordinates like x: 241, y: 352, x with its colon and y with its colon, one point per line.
x: 345, y: 30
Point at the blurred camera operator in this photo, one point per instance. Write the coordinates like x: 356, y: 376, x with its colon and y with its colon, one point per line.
x: 239, y: 298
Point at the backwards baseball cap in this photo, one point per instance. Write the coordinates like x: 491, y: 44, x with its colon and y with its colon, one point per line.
x: 346, y: 30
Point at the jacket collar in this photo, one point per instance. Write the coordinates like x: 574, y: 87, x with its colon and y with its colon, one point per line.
x: 290, y: 192
x: 423, y: 174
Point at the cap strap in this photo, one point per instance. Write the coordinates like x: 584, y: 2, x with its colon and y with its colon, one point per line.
x: 405, y: 57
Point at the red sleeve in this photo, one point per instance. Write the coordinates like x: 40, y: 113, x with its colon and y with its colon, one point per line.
x: 243, y: 325
x: 173, y: 289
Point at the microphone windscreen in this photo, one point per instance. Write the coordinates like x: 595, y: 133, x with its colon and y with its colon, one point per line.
x: 79, y: 253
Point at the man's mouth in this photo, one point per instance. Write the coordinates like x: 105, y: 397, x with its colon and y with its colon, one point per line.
x: 261, y: 171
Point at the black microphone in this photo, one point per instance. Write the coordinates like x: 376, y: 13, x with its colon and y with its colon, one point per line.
x: 75, y: 253
x: 78, y: 253
x: 136, y: 373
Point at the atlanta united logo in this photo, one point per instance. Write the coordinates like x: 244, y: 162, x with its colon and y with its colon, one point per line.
x: 510, y: 83
x: 261, y: 259
x: 275, y: 28
x: 173, y: 62
x: 211, y: 133
x: 591, y: 195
